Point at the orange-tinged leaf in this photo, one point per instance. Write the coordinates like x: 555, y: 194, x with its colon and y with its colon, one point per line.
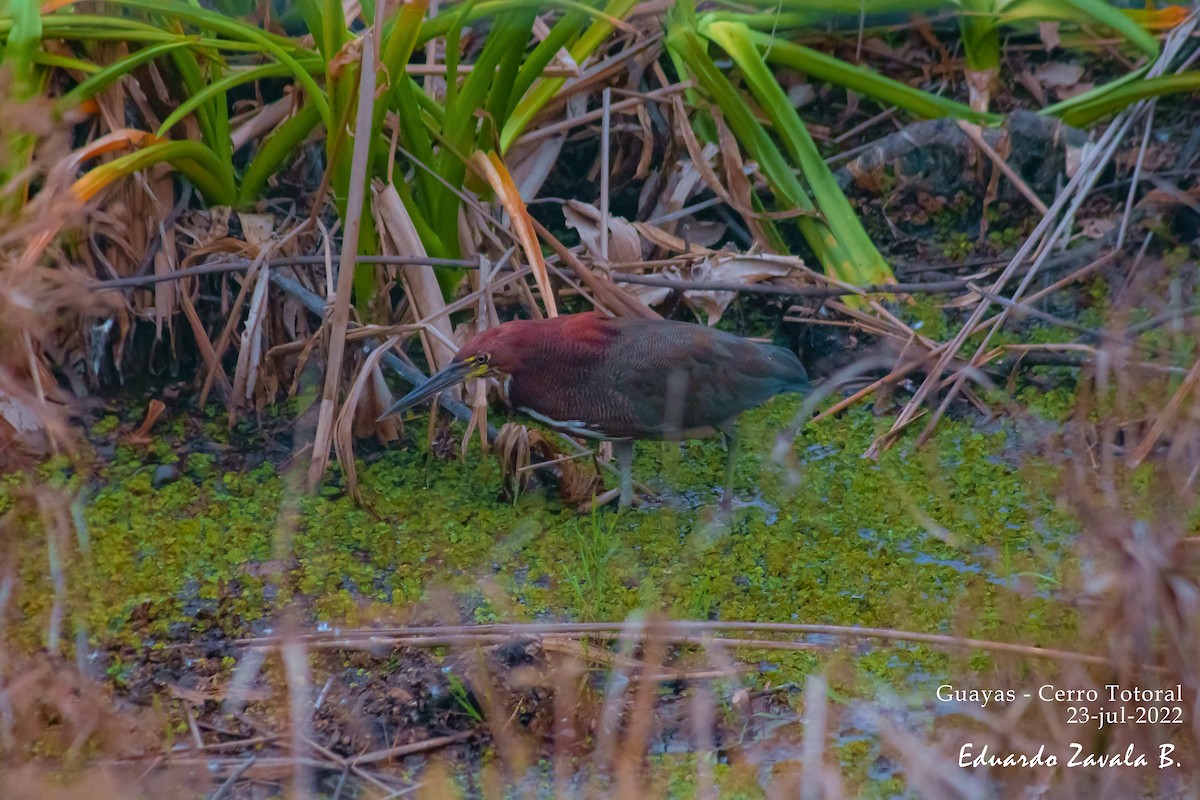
x: 90, y: 184
x: 493, y: 170
x: 123, y: 139
x: 1161, y: 19
x: 117, y: 140
x: 153, y: 412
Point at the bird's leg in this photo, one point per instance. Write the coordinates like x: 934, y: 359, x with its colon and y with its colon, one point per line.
x: 623, y: 451
x: 729, y: 431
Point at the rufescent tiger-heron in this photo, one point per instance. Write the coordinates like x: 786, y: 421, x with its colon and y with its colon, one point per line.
x: 621, y: 379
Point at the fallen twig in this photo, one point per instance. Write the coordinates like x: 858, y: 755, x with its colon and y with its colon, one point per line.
x: 412, y: 748
x: 382, y: 636
x: 932, y: 287
x: 243, y: 264
x: 233, y: 778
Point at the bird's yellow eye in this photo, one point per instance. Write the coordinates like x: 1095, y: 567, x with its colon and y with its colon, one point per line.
x: 479, y: 365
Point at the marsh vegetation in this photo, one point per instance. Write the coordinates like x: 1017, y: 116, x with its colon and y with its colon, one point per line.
x: 235, y: 230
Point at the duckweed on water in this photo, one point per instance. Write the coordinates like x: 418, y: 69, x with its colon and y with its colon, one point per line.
x: 200, y: 556
x: 846, y: 546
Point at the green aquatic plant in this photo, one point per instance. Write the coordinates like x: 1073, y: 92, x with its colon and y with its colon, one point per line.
x: 199, y: 557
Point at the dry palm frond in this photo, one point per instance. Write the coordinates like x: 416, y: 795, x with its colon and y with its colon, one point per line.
x: 517, y: 446
x: 420, y: 281
x: 513, y: 452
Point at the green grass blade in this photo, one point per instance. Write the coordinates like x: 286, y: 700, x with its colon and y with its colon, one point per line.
x: 235, y: 8
x: 864, y: 81
x: 400, y: 41
x: 441, y: 24
x: 825, y: 8
x: 193, y: 81
x: 58, y: 61
x: 690, y: 50
x: 105, y: 76
x: 192, y: 159
x: 275, y: 150
x: 221, y: 87
x: 326, y: 23
x: 980, y: 35
x: 91, y: 27
x: 501, y: 93
x: 461, y: 124
x: 79, y: 26
x: 862, y: 262
x: 1113, y: 100
x: 24, y: 42
x: 415, y: 137
x: 213, y: 116
x: 24, y: 39
x: 433, y: 243
x: 279, y: 47
x: 453, y: 46
x: 1101, y: 11
x: 535, y: 100
x: 563, y: 31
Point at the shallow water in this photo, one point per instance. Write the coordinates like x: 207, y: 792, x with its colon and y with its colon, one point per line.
x: 215, y: 553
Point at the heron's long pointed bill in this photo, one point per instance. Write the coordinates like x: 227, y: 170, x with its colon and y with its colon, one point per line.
x: 452, y: 375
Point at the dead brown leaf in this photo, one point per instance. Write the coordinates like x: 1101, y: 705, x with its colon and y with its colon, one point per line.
x: 1059, y: 74
x: 153, y: 412
x: 624, y: 242
x: 420, y: 281
x: 343, y: 430
x: 1048, y: 33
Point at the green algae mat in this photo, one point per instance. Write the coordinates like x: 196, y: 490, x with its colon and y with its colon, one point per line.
x: 182, y: 553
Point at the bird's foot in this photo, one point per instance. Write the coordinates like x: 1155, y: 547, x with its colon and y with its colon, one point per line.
x: 719, y: 519
x: 605, y: 498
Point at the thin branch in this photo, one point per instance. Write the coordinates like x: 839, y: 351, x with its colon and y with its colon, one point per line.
x: 412, y: 748
x: 243, y: 264
x: 972, y: 132
x: 932, y: 287
x: 384, y: 635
